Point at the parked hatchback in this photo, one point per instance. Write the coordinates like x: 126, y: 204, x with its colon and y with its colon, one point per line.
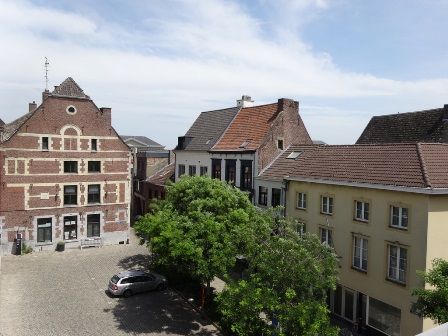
x: 134, y: 281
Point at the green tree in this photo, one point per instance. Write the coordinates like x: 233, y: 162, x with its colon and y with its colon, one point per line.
x: 290, y: 278
x: 201, y: 227
x: 433, y: 302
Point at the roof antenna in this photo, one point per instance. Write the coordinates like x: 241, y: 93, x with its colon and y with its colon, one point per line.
x: 46, y: 73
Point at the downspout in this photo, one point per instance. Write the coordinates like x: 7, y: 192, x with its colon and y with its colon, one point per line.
x: 284, y: 190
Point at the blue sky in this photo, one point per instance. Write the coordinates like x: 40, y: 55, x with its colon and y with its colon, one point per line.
x: 158, y: 63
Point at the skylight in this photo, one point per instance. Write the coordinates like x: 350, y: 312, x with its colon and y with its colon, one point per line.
x: 294, y: 155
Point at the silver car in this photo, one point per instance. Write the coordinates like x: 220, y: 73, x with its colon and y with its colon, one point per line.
x: 134, y: 281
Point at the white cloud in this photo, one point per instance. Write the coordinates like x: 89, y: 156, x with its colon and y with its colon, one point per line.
x: 201, y: 56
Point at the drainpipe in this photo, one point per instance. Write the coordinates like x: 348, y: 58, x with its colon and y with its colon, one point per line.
x: 284, y: 190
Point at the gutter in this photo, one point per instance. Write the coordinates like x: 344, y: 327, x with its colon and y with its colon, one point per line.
x: 417, y: 190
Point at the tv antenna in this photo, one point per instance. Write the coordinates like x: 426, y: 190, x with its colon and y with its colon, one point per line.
x: 46, y: 73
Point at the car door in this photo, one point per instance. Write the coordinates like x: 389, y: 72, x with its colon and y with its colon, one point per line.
x: 149, y: 282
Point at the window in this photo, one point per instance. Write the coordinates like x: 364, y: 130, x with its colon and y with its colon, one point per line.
x: 246, y: 175
x: 262, y: 195
x: 301, y: 200
x: 71, y: 109
x: 360, y: 253
x: 44, y: 232
x: 70, y: 195
x: 94, y: 145
x: 203, y: 170
x: 383, y: 317
x: 398, y: 260
x: 280, y: 144
x: 300, y: 228
x: 93, y: 225
x: 327, y: 205
x: 192, y: 170
x: 276, y: 197
x: 362, y: 211
x: 70, y: 227
x: 45, y: 142
x: 70, y: 166
x: 94, y: 194
x: 231, y: 171
x: 181, y: 170
x: 216, y: 168
x: 326, y: 237
x: 94, y: 166
x: 399, y: 217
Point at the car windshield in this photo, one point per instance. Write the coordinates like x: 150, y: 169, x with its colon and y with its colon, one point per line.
x: 115, y: 279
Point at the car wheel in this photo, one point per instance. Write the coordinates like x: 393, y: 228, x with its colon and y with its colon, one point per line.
x: 161, y: 286
x: 127, y: 293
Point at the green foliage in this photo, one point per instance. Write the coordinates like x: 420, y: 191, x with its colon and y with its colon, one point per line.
x: 433, y: 302
x: 26, y: 249
x: 290, y: 278
x: 201, y: 227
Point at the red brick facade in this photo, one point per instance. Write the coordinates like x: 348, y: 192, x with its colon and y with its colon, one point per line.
x: 33, y: 197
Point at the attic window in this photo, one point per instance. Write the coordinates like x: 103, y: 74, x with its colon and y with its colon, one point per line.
x: 70, y: 109
x: 294, y: 155
x: 280, y: 144
x: 244, y: 144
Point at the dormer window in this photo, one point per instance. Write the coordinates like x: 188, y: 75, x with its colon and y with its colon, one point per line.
x: 280, y: 144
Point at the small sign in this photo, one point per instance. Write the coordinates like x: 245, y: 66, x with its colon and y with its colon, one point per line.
x: 44, y: 196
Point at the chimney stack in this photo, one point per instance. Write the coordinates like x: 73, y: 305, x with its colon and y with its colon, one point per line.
x: 45, y: 94
x: 106, y: 112
x: 32, y: 106
x: 245, y: 101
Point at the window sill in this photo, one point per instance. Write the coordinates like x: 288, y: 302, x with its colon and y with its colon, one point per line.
x: 399, y: 283
x: 326, y: 213
x: 299, y: 208
x: 360, y: 270
x: 94, y: 203
x: 398, y: 228
x: 360, y: 220
x: 44, y: 244
x: 70, y: 205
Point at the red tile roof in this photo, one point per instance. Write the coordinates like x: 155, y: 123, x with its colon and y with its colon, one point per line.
x: 248, y: 129
x: 404, y: 165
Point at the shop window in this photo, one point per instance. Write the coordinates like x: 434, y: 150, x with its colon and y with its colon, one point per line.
x: 44, y: 230
x: 93, y: 225
x: 70, y: 227
x: 383, y: 317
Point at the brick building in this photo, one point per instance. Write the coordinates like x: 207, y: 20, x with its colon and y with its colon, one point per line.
x: 65, y: 175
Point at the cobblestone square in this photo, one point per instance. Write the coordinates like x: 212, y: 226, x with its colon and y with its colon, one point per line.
x: 52, y: 293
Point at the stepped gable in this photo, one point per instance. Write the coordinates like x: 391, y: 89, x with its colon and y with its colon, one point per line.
x: 69, y: 88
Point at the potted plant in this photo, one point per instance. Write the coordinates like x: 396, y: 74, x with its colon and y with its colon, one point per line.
x: 60, y: 246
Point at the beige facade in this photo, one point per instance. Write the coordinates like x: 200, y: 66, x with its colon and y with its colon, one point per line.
x: 367, y: 293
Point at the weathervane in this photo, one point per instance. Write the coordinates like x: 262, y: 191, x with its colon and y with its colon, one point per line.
x: 46, y: 73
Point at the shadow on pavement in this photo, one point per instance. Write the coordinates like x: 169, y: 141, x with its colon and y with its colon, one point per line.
x: 159, y: 312
x: 138, y: 261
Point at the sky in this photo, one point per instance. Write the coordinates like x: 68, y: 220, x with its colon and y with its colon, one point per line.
x: 159, y: 63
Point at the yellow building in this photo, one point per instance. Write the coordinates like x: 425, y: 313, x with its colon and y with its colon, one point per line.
x: 384, y: 209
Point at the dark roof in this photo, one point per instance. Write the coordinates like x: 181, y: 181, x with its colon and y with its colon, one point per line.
x: 1, y: 122
x: 208, y: 128
x: 249, y: 128
x: 162, y: 176
x: 416, y: 165
x: 154, y: 153
x: 69, y: 88
x: 421, y: 126
x: 12, y: 127
x: 144, y: 140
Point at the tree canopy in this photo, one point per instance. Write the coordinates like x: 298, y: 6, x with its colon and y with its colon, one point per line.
x: 202, y: 226
x: 290, y: 277
x: 432, y: 302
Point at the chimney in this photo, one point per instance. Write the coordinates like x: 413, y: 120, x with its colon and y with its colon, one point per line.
x: 107, y: 113
x: 45, y: 94
x: 32, y: 106
x: 245, y: 101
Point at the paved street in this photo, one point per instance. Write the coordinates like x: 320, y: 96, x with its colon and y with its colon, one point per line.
x: 64, y: 294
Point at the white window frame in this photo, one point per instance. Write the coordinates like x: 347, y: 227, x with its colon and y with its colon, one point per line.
x: 326, y: 207
x: 397, y: 269
x: 363, y: 248
x: 301, y: 200
x: 400, y: 217
x: 363, y: 211
x: 328, y: 236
